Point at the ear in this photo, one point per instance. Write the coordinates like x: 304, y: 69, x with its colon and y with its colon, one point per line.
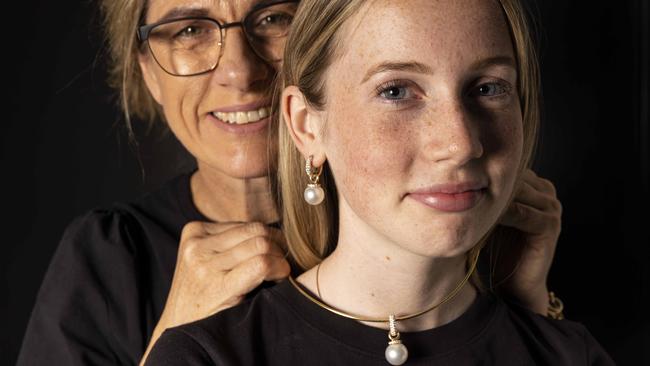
x: 304, y: 124
x: 149, y: 75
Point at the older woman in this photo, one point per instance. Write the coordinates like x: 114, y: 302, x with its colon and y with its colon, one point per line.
x: 416, y: 120
x: 200, y: 243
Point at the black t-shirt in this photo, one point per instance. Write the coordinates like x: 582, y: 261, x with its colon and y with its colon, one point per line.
x: 281, y: 327
x: 108, y: 281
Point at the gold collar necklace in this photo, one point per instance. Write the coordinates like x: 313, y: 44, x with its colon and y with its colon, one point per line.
x: 396, y: 353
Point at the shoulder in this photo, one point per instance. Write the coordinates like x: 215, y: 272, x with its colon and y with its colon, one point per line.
x: 102, y: 235
x: 244, y: 320
x: 240, y: 335
x: 168, y: 205
x: 543, y: 325
x: 90, y: 288
x: 107, y: 282
x: 178, y: 347
x: 129, y: 225
x: 123, y: 241
x: 564, y: 340
x: 116, y: 250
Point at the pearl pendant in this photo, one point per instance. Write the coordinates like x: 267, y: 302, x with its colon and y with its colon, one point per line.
x: 396, y: 353
x: 314, y: 194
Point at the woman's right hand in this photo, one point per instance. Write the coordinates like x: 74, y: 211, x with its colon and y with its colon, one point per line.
x: 217, y: 265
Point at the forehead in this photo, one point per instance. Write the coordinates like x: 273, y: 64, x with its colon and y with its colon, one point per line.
x: 220, y: 9
x: 438, y: 33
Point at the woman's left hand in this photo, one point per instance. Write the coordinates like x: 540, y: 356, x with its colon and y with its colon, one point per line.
x: 537, y: 213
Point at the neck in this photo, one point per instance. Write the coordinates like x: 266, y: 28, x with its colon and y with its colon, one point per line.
x: 371, y: 277
x: 222, y: 198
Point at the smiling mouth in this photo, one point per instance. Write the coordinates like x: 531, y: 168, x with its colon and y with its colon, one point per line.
x: 243, y: 117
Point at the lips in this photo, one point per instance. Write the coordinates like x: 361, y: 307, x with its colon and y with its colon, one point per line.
x: 451, y: 197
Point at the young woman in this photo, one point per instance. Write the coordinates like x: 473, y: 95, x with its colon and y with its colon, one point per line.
x: 406, y: 128
x: 200, y: 243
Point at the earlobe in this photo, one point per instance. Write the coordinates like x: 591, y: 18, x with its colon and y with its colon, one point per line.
x: 304, y: 124
x: 150, y: 78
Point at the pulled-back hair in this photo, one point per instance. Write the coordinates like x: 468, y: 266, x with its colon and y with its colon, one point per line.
x: 121, y: 19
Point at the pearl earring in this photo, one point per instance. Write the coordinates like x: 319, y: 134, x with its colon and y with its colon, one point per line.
x: 314, y: 194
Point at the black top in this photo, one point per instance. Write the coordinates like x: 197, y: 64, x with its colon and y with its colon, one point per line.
x: 108, y: 281
x: 281, y: 327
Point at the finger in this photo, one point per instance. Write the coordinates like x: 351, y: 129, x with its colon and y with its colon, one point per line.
x: 528, y: 219
x: 235, y: 234
x: 228, y: 239
x: 212, y: 228
x: 530, y: 196
x: 196, y: 243
x: 529, y: 173
x: 540, y: 184
x: 251, y: 273
x: 192, y: 229
x: 199, y: 229
x: 259, y: 245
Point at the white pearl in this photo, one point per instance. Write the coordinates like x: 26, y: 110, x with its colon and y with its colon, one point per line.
x: 314, y: 194
x: 396, y: 354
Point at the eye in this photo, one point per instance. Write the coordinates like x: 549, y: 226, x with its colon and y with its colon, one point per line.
x: 395, y: 91
x: 271, y: 24
x: 277, y: 19
x: 492, y: 89
x: 189, y: 32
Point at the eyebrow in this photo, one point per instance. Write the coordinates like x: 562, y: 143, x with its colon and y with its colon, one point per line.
x: 397, y: 66
x: 495, y: 61
x: 184, y: 12
x: 421, y: 68
x: 188, y: 12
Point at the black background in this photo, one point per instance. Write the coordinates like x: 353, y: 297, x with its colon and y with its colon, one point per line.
x: 64, y: 151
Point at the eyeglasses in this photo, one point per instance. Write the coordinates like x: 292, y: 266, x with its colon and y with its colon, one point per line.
x: 193, y: 45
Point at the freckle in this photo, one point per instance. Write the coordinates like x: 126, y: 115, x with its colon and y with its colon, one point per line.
x: 372, y: 294
x: 387, y: 258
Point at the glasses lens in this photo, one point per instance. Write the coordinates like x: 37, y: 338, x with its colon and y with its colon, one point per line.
x: 268, y: 28
x: 186, y: 47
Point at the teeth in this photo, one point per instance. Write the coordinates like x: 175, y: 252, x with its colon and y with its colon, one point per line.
x: 264, y: 112
x: 253, y: 115
x: 243, y: 117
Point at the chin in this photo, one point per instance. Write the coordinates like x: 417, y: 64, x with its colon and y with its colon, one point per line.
x: 245, y: 172
x: 250, y: 164
x: 239, y: 168
x: 447, y: 245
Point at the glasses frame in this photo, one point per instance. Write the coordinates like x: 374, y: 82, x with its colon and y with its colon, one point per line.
x: 144, y: 31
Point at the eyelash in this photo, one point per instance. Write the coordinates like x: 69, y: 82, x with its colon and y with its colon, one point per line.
x: 505, y: 88
x: 394, y: 84
x: 502, y: 85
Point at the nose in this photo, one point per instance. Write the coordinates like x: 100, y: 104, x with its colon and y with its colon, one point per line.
x: 239, y: 67
x: 452, y: 135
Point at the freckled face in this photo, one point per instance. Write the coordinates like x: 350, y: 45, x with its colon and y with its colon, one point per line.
x: 239, y: 84
x: 443, y: 108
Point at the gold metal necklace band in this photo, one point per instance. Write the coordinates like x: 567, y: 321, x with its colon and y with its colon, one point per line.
x: 384, y: 320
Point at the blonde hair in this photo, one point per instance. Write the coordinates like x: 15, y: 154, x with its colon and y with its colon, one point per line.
x: 312, y: 231
x: 121, y: 19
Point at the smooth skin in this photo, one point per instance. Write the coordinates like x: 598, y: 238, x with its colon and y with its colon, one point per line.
x: 219, y: 262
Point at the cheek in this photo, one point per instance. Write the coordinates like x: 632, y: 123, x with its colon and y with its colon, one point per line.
x: 503, y: 149
x: 180, y: 101
x: 368, y: 154
x: 505, y: 143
